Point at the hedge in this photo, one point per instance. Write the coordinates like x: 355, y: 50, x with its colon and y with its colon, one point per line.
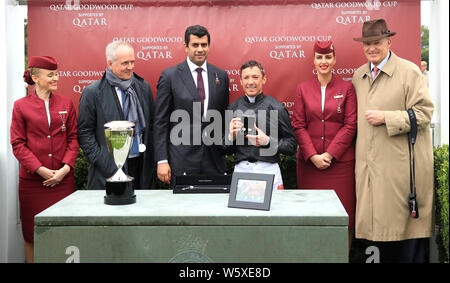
x: 441, y: 159
x: 81, y: 171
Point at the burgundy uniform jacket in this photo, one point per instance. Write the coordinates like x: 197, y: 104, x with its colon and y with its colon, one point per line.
x: 332, y: 130
x: 34, y: 143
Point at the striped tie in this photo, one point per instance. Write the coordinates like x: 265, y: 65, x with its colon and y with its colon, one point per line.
x: 375, y: 72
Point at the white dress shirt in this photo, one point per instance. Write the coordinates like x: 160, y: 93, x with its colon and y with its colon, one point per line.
x: 382, y: 63
x: 322, y: 91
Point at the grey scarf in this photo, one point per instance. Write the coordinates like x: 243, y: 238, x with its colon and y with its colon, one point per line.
x: 131, y: 102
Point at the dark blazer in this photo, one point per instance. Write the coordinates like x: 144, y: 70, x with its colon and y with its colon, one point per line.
x: 98, y: 105
x: 284, y: 141
x: 176, y: 90
x: 331, y: 131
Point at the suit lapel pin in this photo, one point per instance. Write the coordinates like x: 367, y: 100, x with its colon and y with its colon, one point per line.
x: 217, y: 79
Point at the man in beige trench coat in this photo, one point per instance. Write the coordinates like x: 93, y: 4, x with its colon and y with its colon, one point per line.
x: 386, y: 87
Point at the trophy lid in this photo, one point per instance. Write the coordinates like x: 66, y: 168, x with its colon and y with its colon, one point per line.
x: 119, y: 125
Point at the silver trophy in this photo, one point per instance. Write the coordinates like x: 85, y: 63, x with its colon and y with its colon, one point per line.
x: 119, y: 139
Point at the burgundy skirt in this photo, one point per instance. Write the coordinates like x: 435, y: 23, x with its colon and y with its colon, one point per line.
x: 340, y: 177
x: 34, y: 198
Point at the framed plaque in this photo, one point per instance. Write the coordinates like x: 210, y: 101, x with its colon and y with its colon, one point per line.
x: 251, y: 191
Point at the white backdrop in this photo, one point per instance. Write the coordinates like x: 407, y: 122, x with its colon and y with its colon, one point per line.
x: 11, y: 88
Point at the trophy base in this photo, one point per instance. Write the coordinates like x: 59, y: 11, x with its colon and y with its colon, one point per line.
x: 119, y: 193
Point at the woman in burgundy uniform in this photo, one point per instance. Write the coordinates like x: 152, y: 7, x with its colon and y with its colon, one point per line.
x: 324, y: 121
x: 44, y: 141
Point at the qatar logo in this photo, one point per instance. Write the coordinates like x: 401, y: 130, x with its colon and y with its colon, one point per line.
x: 347, y: 20
x: 153, y: 54
x: 287, y: 54
x: 84, y: 22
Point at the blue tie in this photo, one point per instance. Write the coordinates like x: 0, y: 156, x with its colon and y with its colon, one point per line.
x: 125, y: 105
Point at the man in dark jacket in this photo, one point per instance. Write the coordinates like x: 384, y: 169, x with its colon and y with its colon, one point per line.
x: 259, y: 152
x: 119, y: 95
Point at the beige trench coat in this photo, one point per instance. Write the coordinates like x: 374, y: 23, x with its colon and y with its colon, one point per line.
x: 382, y: 155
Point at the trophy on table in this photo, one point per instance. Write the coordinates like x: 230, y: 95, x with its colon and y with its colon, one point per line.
x: 119, y: 138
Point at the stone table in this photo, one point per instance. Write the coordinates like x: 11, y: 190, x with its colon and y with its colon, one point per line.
x: 301, y: 226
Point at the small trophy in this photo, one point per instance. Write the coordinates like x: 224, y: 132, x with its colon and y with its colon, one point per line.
x: 119, y: 138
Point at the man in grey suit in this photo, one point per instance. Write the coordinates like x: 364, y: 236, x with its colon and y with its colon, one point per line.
x: 119, y: 95
x: 199, y: 89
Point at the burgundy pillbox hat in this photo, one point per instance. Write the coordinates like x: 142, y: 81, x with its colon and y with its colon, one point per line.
x: 323, y: 47
x: 43, y: 62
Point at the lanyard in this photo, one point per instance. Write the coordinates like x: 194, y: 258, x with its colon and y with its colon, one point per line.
x: 412, y: 201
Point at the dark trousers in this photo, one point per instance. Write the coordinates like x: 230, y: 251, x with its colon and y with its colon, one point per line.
x: 206, y: 165
x: 134, y: 170
x: 407, y: 251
